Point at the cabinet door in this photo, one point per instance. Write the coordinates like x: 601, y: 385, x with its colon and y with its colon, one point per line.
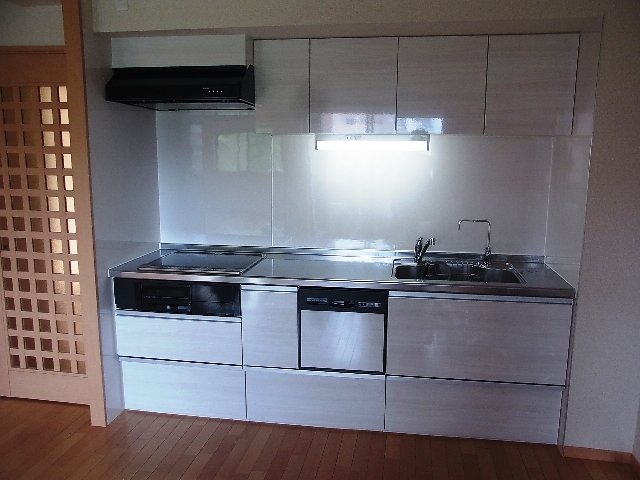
x: 441, y: 84
x: 321, y: 399
x: 531, y: 84
x: 282, y: 86
x: 454, y: 408
x: 353, y: 85
x: 478, y: 340
x: 179, y: 338
x: 184, y: 388
x: 270, y: 327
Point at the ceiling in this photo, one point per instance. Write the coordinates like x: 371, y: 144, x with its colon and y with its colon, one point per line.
x: 34, y: 3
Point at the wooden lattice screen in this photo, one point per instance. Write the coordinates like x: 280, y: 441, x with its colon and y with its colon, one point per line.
x: 49, y: 331
x: 42, y: 291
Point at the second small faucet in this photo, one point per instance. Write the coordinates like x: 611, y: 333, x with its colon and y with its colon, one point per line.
x: 420, y: 248
x: 487, y: 252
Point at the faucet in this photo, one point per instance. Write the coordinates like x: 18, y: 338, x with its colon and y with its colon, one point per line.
x: 420, y: 248
x: 487, y: 252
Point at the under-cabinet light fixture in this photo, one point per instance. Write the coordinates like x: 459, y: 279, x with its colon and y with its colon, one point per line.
x: 373, y: 143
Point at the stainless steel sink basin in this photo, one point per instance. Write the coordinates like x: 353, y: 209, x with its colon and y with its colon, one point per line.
x: 460, y: 271
x: 497, y: 275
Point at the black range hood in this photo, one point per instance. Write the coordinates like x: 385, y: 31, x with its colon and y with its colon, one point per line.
x: 226, y: 87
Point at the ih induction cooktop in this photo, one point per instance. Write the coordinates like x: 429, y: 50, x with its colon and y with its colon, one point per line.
x: 202, y: 262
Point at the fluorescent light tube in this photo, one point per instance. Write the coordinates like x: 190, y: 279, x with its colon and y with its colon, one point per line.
x: 373, y: 143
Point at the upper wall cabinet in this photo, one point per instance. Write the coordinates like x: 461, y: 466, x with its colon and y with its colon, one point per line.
x: 353, y: 85
x: 441, y: 84
x: 531, y: 84
x: 282, y: 86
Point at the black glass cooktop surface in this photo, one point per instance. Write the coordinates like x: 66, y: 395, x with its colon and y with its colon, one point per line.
x: 202, y: 262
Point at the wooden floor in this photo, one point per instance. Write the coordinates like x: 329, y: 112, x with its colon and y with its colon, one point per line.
x: 52, y: 441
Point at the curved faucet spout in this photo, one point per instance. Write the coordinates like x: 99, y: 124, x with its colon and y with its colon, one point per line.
x: 487, y: 252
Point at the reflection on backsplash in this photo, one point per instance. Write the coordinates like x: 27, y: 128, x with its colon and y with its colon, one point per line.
x: 239, y: 152
x: 254, y: 189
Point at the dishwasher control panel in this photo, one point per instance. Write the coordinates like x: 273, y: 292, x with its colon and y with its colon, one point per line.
x: 358, y: 300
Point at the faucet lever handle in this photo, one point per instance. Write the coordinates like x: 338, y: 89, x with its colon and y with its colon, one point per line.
x: 417, y: 248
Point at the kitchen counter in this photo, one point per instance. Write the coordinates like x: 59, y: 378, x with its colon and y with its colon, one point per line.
x: 359, y: 269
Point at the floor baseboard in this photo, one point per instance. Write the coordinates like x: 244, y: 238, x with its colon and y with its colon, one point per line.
x: 635, y: 463
x: 600, y: 455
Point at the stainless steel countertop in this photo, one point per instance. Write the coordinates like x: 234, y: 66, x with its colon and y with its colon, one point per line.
x: 358, y: 269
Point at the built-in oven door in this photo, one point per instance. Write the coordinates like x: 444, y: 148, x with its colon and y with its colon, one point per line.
x: 349, y: 341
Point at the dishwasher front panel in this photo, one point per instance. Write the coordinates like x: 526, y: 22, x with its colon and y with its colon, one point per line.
x: 344, y: 341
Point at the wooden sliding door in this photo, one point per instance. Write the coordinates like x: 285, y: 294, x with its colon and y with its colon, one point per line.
x: 49, y: 337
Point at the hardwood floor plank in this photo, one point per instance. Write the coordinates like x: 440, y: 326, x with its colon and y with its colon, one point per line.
x: 361, y: 454
x: 467, y: 446
x: 251, y: 455
x: 240, y: 446
x: 528, y: 456
x: 329, y: 455
x: 269, y: 450
x: 500, y: 461
x: 347, y: 449
x: 626, y: 471
x: 179, y: 429
x: 201, y: 439
x: 535, y: 474
x: 375, y: 467
x: 438, y: 452
x: 283, y: 455
x: 545, y: 462
x: 101, y: 468
x: 217, y: 437
x: 518, y: 469
x: 423, y: 457
x: 294, y: 467
x: 167, y: 463
x: 219, y: 454
x: 80, y: 470
x: 471, y: 467
x: 454, y: 458
x: 49, y: 441
x: 194, y: 469
x: 314, y: 455
x: 408, y: 456
x: 485, y: 461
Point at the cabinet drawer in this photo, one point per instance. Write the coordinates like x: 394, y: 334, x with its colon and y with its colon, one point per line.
x: 455, y: 408
x: 270, y: 327
x: 336, y: 400
x: 183, y: 388
x: 179, y: 338
x: 479, y: 340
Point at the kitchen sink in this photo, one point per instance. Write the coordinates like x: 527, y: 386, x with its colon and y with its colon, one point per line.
x: 461, y: 271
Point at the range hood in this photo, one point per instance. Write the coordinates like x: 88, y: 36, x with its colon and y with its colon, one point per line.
x: 226, y: 87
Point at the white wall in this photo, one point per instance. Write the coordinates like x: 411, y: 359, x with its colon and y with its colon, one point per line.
x: 636, y: 445
x: 222, y: 184
x: 605, y: 379
x: 124, y: 181
x: 40, y: 25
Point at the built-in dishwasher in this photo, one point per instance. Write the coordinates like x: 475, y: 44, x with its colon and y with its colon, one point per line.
x: 342, y: 329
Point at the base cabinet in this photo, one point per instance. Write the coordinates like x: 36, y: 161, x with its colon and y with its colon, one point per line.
x: 184, y: 388
x: 456, y: 408
x: 190, y: 338
x: 335, y: 400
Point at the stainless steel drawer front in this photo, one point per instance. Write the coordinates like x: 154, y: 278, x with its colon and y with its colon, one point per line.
x: 350, y: 341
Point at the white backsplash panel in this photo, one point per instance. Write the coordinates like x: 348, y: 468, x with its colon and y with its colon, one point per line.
x: 221, y: 183
x: 215, y: 179
x: 388, y: 200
